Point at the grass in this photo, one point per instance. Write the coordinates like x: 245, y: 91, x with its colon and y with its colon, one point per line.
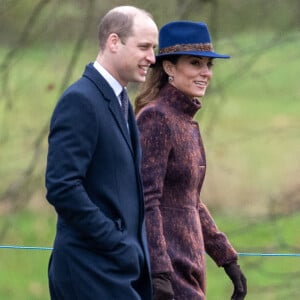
x: 250, y: 126
x: 27, y: 101
x: 269, y: 277
x: 24, y: 272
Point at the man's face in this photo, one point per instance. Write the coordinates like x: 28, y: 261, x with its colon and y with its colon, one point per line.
x: 136, y: 54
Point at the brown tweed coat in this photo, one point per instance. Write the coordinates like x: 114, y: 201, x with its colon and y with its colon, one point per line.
x: 180, y: 228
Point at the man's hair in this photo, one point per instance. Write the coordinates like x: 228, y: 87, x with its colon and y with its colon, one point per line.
x: 120, y: 22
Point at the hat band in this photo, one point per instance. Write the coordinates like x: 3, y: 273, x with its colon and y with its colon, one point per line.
x: 202, y: 47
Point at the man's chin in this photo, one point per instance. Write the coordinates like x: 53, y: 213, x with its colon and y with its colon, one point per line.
x: 140, y: 79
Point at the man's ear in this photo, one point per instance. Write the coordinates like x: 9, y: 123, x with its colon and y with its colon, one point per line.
x: 113, y: 42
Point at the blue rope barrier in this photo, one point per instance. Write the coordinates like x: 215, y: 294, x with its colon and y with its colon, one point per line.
x: 239, y: 254
x: 270, y: 254
x: 25, y: 248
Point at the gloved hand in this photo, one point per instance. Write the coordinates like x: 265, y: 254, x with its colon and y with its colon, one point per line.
x: 162, y: 287
x: 238, y: 279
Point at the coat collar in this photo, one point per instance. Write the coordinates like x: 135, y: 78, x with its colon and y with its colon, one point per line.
x: 179, y: 101
x: 105, y: 89
x: 113, y: 103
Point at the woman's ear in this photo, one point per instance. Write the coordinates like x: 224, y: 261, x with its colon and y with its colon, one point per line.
x: 168, y: 67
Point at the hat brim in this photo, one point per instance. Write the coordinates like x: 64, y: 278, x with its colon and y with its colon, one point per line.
x: 194, y: 53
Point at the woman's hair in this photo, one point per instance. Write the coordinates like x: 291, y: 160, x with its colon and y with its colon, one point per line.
x: 157, y: 78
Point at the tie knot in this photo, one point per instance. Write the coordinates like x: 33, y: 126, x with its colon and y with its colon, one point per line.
x: 125, y: 102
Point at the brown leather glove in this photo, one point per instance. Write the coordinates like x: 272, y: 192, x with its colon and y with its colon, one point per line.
x: 162, y: 287
x: 238, y: 279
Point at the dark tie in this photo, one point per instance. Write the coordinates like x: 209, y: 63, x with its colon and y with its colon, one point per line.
x: 125, y: 102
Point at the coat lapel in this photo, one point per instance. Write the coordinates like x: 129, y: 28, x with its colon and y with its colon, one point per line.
x: 134, y: 133
x: 115, y: 109
x: 113, y: 102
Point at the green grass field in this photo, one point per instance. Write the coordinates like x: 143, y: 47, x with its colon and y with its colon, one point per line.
x: 250, y: 123
x: 24, y: 272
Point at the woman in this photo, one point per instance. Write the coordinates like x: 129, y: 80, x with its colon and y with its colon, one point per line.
x: 180, y: 228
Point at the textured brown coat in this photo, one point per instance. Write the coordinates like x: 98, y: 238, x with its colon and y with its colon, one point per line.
x: 180, y: 229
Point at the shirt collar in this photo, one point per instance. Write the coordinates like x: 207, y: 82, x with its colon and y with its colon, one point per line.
x: 115, y: 85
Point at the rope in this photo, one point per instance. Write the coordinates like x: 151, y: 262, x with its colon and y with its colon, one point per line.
x: 25, y: 247
x: 239, y: 254
x: 270, y: 254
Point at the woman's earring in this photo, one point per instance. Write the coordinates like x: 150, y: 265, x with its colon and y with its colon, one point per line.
x: 171, y: 78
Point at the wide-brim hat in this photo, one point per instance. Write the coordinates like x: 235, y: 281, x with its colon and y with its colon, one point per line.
x: 186, y: 38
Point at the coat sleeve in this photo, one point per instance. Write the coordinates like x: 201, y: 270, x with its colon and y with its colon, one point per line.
x: 156, y: 145
x: 72, y: 140
x: 216, y: 243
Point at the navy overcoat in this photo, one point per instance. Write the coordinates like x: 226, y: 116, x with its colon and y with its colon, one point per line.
x: 93, y: 181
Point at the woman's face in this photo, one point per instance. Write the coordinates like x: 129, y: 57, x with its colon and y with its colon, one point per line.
x: 191, y: 74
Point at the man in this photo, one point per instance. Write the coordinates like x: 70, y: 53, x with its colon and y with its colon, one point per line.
x: 93, y: 172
